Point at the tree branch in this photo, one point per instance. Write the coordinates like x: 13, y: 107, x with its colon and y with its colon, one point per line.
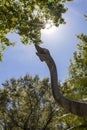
x: 79, y: 126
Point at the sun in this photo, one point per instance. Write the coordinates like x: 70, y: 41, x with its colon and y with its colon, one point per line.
x: 49, y: 29
x: 48, y: 24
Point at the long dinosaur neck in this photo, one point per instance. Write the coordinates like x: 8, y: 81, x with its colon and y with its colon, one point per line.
x: 77, y: 108
x: 54, y: 79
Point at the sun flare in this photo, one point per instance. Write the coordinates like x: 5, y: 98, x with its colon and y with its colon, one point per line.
x: 49, y: 28
x: 49, y: 24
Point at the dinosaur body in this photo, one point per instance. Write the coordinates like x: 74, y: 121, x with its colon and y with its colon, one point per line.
x: 75, y: 107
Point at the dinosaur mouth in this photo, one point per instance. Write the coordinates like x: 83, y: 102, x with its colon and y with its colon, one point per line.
x: 39, y: 52
x: 39, y: 49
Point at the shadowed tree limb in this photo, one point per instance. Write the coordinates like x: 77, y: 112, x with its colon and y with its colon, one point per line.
x: 79, y: 126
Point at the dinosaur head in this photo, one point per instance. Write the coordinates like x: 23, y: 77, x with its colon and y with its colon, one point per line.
x: 42, y: 53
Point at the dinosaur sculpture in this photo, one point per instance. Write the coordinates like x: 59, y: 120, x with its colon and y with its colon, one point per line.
x: 75, y: 107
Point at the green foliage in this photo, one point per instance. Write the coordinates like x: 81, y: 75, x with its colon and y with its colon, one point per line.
x: 77, y: 82
x: 75, y: 87
x: 50, y: 0
x: 27, y: 18
x: 85, y: 17
x: 78, y: 68
x: 27, y: 103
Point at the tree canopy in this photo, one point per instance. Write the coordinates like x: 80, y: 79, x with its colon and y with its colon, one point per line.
x: 27, y: 103
x: 78, y: 68
x: 75, y: 87
x: 27, y: 18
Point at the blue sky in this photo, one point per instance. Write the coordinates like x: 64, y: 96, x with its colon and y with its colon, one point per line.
x: 61, y: 42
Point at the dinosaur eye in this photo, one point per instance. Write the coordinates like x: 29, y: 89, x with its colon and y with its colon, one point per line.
x: 45, y: 52
x: 42, y: 52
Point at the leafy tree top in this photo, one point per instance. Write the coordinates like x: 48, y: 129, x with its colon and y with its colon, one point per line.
x: 27, y: 18
x: 27, y: 103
